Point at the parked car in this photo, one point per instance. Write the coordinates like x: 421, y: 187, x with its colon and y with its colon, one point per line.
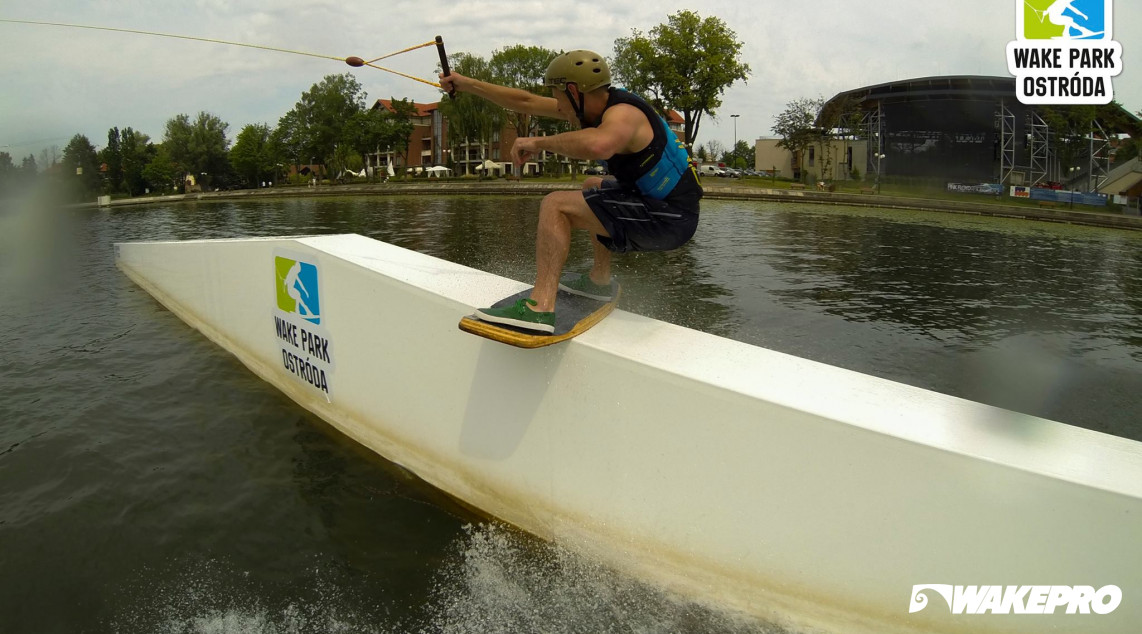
x: 595, y: 170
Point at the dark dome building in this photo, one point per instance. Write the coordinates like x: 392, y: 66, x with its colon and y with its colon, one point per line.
x: 974, y: 129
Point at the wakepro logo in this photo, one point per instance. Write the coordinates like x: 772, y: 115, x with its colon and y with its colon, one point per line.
x: 305, y: 346
x: 1064, y: 53
x: 1019, y: 599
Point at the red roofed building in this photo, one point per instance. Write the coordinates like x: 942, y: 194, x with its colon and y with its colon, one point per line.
x: 675, y: 122
x: 427, y: 143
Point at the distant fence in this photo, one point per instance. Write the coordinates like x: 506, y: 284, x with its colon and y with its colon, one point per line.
x: 1060, y: 196
x: 991, y: 189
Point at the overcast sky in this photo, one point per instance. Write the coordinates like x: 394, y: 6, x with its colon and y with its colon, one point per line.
x: 58, y: 82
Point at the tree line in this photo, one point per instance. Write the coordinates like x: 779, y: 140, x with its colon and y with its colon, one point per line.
x: 330, y: 125
x: 685, y: 64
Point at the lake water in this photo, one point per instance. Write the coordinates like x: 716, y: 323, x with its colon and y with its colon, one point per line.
x: 150, y: 483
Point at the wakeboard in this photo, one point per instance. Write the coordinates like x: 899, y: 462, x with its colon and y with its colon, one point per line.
x: 574, y: 315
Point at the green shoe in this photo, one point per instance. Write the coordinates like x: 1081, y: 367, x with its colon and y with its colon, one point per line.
x: 519, y: 315
x: 585, y: 287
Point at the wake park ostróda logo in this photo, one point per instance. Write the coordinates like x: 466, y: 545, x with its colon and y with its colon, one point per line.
x: 1063, y: 52
x: 303, y: 341
x: 297, y: 288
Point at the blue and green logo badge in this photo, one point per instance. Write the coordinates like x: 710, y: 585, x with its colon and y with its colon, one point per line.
x: 1064, y: 52
x: 297, y: 289
x: 1065, y: 19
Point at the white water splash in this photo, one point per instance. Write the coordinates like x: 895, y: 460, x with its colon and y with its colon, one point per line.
x: 506, y: 582
x: 497, y: 581
x: 211, y: 598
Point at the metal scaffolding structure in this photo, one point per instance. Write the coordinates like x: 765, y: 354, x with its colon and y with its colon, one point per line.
x: 1039, y: 147
x: 1098, y: 170
x: 1005, y: 122
x: 970, y: 127
x: 874, y: 125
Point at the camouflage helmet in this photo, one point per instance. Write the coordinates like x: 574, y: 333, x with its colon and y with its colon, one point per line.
x: 586, y: 69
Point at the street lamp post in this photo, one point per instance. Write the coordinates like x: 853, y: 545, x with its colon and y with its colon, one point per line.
x: 879, y: 158
x: 1070, y: 185
x: 735, y: 150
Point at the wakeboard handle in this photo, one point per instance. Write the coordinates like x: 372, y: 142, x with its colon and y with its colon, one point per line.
x: 444, y: 63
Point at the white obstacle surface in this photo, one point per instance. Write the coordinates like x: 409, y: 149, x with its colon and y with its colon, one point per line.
x: 790, y: 489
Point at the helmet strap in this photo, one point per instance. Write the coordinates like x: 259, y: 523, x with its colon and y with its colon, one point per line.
x: 578, y: 106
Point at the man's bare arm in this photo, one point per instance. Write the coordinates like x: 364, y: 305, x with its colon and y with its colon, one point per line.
x: 622, y: 130
x: 510, y: 98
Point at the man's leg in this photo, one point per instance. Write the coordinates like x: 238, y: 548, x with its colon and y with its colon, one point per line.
x: 601, y: 271
x: 559, y: 213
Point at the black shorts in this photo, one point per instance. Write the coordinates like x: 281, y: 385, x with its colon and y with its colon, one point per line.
x: 637, y: 223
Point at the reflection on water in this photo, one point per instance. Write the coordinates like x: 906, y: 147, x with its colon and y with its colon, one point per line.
x: 675, y: 287
x: 964, y: 288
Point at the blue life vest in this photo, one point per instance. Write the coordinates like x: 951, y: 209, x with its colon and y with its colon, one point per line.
x: 662, y: 169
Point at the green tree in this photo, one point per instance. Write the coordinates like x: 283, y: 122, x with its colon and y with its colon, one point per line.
x: 286, y: 144
x: 740, y: 157
x: 28, y: 168
x: 378, y: 129
x: 176, y: 140
x: 715, y: 150
x: 1128, y: 150
x: 797, y: 127
x: 80, y: 167
x: 49, y: 157
x: 1114, y: 116
x: 636, y: 67
x: 210, y: 147
x: 522, y: 67
x: 323, y: 112
x: 469, y: 117
x: 200, y: 147
x: 1073, y: 125
x: 112, y: 156
x: 685, y: 64
x: 136, y: 150
x: 161, y: 171
x: 251, y: 155
x: 8, y: 173
x: 1132, y: 147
